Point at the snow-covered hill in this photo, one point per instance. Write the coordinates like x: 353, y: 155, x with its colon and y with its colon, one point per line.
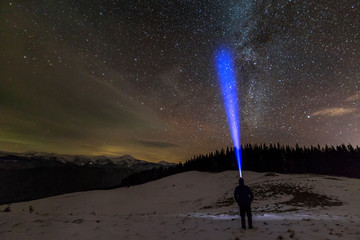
x: 194, y: 205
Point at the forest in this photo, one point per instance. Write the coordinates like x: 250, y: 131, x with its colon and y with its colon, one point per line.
x: 342, y: 160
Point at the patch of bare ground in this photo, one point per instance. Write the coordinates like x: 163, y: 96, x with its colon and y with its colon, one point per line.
x: 271, y: 174
x: 301, y: 196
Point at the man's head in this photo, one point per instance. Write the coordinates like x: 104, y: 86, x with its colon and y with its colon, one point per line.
x: 241, y: 181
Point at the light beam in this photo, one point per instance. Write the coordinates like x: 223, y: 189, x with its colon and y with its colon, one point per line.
x: 226, y: 74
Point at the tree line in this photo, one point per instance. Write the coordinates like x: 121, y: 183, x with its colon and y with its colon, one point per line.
x: 341, y: 160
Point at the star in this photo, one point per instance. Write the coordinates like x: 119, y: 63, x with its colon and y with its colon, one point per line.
x: 133, y: 73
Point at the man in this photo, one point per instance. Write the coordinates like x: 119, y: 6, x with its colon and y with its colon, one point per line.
x: 244, y: 196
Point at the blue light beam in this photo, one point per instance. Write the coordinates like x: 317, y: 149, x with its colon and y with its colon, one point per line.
x: 226, y: 74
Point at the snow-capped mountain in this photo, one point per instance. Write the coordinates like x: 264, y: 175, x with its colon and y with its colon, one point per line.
x: 35, y: 159
x: 31, y: 175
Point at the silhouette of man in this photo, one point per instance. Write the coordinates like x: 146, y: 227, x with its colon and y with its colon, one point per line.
x: 244, y: 196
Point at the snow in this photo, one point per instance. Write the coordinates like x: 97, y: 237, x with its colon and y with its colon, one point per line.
x: 194, y: 205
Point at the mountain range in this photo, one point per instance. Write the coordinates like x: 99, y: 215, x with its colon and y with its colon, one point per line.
x: 9, y: 160
x: 31, y: 175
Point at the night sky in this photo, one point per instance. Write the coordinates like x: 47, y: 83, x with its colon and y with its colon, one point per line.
x: 138, y: 77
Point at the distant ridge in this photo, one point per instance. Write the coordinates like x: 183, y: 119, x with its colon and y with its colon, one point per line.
x: 36, y: 159
x: 32, y: 175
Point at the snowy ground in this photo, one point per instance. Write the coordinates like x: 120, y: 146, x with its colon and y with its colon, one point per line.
x: 194, y: 205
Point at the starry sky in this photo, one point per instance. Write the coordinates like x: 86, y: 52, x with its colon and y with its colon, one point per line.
x: 121, y: 77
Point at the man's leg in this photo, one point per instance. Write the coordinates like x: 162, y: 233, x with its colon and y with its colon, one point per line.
x: 242, y: 215
x: 249, y: 216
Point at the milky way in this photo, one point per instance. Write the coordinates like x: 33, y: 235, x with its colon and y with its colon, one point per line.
x: 138, y: 77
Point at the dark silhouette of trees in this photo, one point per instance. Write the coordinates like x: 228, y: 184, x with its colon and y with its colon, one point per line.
x: 342, y: 160
x: 52, y: 177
